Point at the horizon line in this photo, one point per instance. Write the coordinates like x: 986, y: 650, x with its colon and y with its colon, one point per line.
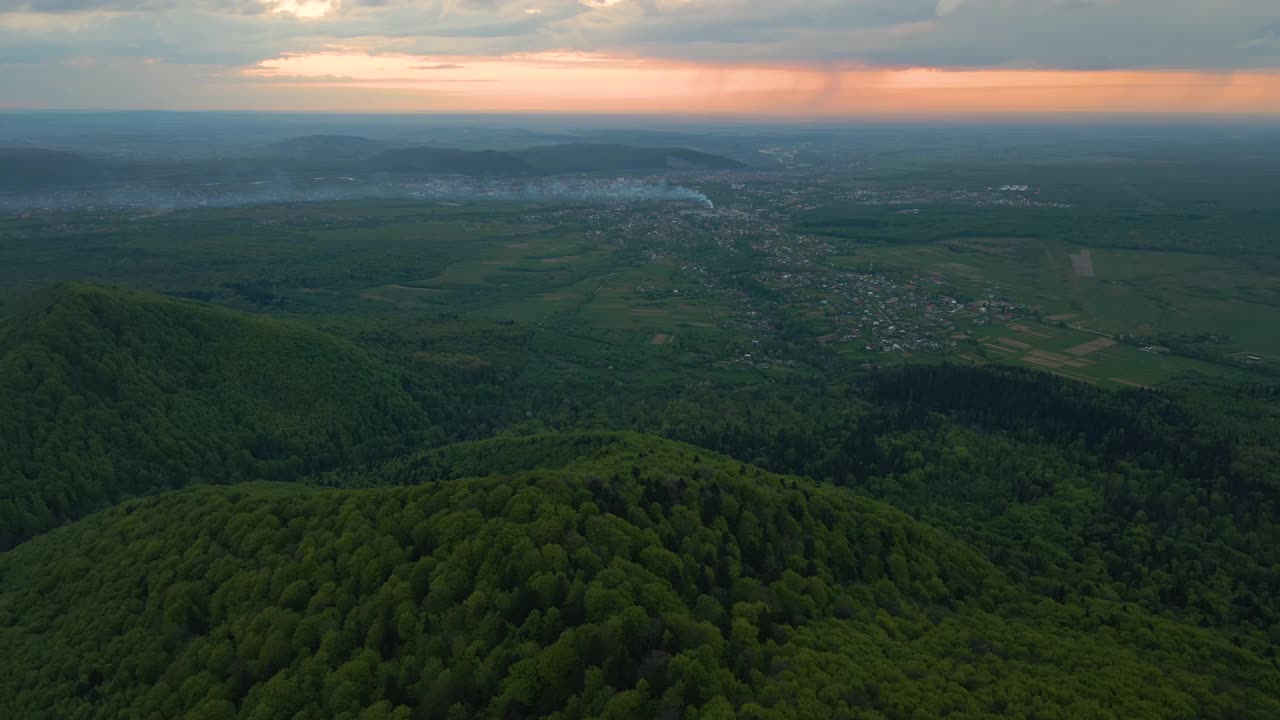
x: 781, y: 118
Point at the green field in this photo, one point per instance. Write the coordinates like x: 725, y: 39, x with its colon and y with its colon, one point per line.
x: 1075, y: 354
x: 1131, y: 292
x: 580, y: 301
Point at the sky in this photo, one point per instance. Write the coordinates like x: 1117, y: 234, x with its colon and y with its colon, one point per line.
x: 784, y: 58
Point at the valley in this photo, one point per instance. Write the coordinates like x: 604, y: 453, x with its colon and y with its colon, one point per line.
x: 651, y: 432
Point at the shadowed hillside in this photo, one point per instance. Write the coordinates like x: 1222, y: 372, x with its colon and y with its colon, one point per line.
x: 107, y: 392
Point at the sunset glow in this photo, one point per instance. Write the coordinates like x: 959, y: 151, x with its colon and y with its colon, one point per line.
x: 577, y: 82
x: 821, y: 58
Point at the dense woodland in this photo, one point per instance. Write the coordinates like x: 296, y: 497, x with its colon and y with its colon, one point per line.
x: 457, y: 540
x: 107, y: 393
x: 643, y: 579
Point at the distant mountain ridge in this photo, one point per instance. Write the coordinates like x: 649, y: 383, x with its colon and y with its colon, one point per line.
x: 24, y: 168
x: 448, y: 161
x: 603, y: 157
x: 567, y: 159
x: 346, y: 147
x: 39, y: 170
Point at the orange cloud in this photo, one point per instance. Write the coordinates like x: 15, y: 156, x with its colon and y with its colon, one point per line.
x: 576, y: 83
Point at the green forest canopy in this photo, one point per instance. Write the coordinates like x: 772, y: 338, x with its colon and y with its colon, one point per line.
x: 643, y: 579
x: 106, y: 393
x: 1052, y: 550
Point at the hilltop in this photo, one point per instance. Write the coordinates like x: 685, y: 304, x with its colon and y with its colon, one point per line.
x: 642, y: 579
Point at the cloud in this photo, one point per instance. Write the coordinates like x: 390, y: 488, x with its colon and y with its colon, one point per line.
x: 62, y: 7
x: 1223, y: 35
x: 1083, y: 34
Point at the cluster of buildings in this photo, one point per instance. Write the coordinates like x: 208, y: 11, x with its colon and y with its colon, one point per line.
x: 883, y: 313
x: 745, y: 254
x: 1004, y: 196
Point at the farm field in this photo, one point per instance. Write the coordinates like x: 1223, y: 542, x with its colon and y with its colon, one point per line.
x: 522, y: 279
x: 656, y: 306
x: 1040, y: 271
x: 361, y: 257
x: 1074, y: 354
x: 1146, y: 293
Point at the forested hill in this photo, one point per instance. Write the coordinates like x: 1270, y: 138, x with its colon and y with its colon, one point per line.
x: 646, y: 579
x: 573, y: 158
x: 327, y: 147
x: 985, y: 542
x: 108, y: 392
x: 1074, y: 490
x: 604, y: 157
x: 450, y: 161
